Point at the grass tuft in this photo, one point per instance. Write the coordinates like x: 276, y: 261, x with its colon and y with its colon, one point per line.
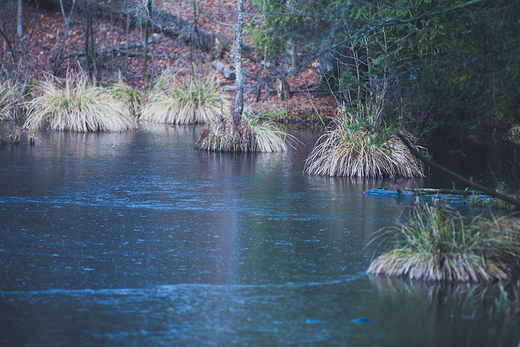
x: 179, y: 101
x: 252, y: 135
x: 437, y: 243
x: 123, y: 92
x: 350, y: 150
x: 77, y: 106
x: 12, y: 94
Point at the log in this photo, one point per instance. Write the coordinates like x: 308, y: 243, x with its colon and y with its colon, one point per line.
x: 110, y: 50
x: 430, y: 191
x: 165, y: 23
x: 223, y: 69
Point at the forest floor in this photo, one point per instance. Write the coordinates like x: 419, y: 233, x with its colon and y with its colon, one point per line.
x: 44, y: 30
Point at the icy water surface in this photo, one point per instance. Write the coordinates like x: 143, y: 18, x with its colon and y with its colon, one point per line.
x: 136, y: 239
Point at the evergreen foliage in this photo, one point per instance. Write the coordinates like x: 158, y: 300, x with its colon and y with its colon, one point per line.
x: 458, y: 59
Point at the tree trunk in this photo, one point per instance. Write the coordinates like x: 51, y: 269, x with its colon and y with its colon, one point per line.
x: 237, y: 54
x: 67, y: 24
x: 149, y: 8
x: 19, y: 26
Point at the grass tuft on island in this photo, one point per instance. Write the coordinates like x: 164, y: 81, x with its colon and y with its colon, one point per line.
x: 77, y: 106
x: 252, y: 135
x: 350, y: 149
x: 194, y: 100
x: 437, y: 243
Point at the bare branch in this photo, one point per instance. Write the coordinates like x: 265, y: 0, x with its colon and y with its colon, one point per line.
x: 455, y: 175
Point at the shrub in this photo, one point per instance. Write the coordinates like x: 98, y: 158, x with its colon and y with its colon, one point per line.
x: 504, y: 189
x: 351, y: 150
x: 252, y: 135
x: 78, y: 106
x: 514, y: 134
x: 179, y: 101
x: 437, y: 243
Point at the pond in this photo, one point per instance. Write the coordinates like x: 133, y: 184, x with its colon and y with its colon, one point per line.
x: 136, y: 239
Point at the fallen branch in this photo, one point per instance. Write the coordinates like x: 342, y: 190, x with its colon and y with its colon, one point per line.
x: 110, y: 50
x: 455, y: 175
x: 223, y: 69
x: 139, y: 54
x: 429, y: 191
x: 233, y: 88
x: 158, y: 72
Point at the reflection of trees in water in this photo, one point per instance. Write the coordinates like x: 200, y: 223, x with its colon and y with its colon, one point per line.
x: 180, y: 131
x: 491, y: 163
x: 434, y: 291
x: 483, y: 299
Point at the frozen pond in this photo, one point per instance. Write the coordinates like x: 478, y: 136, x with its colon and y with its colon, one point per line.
x: 136, y: 239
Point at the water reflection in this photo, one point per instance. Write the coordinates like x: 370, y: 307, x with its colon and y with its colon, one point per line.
x: 470, y: 305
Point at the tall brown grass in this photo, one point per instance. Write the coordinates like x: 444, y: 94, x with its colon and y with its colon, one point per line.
x: 193, y: 100
x: 12, y: 95
x: 351, y: 150
x: 77, y: 106
x: 437, y: 243
x: 252, y: 135
x: 123, y: 92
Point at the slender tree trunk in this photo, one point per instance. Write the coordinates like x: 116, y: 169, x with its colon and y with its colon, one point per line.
x: 67, y: 23
x: 10, y: 48
x: 87, y: 41
x: 19, y: 26
x: 128, y: 21
x: 147, y: 22
x: 90, y: 44
x: 93, y: 50
x: 237, y: 54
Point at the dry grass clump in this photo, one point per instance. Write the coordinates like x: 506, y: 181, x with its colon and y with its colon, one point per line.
x: 130, y: 96
x: 350, y: 150
x: 12, y: 94
x: 196, y: 100
x: 77, y: 106
x: 437, y: 243
x: 252, y: 135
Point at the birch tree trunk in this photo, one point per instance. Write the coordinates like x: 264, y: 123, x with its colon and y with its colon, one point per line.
x: 237, y: 54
